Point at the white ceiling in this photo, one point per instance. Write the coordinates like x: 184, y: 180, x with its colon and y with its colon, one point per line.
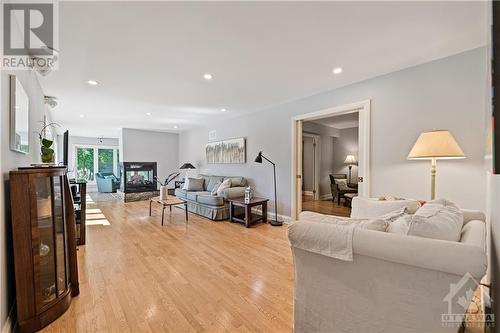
x: 343, y: 121
x: 151, y: 56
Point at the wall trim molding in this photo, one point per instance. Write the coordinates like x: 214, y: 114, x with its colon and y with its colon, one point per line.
x: 326, y: 197
x: 364, y: 142
x: 270, y: 215
x: 308, y: 193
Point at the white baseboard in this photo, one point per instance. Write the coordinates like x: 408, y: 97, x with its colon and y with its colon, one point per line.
x: 326, y: 197
x: 270, y: 215
x: 9, y: 325
x: 308, y: 193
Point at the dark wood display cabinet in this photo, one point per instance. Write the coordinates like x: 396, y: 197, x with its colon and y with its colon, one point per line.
x: 43, y: 226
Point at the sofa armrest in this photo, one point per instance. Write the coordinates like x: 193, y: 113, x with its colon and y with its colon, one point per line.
x: 233, y: 192
x: 433, y: 254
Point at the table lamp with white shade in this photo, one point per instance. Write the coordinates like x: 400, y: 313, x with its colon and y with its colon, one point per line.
x: 350, y: 160
x: 435, y: 145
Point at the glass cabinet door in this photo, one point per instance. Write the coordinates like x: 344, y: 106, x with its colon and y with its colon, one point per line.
x: 61, y: 252
x: 43, y: 252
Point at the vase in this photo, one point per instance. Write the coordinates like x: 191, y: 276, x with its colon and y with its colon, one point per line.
x: 163, y: 193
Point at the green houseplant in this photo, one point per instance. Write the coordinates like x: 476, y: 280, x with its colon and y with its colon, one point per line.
x: 46, y: 151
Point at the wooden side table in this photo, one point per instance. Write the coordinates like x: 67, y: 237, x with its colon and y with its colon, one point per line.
x: 248, y: 218
x: 171, y: 201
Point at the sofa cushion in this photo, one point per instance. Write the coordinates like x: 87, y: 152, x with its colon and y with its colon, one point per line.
x: 194, y: 195
x: 212, y: 181
x: 237, y: 181
x: 438, y: 219
x: 369, y: 207
x: 181, y: 193
x: 210, y: 200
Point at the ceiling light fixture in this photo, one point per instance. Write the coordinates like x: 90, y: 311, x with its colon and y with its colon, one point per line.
x: 148, y: 113
x: 93, y: 82
x: 208, y: 76
x: 337, y: 70
x: 82, y: 115
x: 175, y: 126
x: 223, y: 110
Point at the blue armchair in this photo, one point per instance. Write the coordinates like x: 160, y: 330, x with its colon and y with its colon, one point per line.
x: 107, y: 182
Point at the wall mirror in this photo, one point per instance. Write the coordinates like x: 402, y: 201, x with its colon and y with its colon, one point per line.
x: 19, y: 117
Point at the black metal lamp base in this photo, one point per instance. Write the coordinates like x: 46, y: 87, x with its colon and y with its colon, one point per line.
x: 275, y: 223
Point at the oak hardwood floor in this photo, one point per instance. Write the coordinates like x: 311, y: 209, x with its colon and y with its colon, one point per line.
x: 137, y: 276
x: 324, y: 207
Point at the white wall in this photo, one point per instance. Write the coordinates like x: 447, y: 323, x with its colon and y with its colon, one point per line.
x: 150, y: 146
x: 448, y: 93
x: 9, y: 161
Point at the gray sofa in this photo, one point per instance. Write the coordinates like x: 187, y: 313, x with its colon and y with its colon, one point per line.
x: 212, y: 206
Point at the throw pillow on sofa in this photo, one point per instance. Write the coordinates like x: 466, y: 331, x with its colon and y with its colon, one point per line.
x: 216, y: 187
x: 438, y: 219
x: 368, y: 207
x: 224, y: 186
x: 194, y: 184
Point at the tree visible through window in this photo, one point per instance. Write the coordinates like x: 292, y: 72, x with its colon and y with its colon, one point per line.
x: 105, y: 158
x: 85, y: 164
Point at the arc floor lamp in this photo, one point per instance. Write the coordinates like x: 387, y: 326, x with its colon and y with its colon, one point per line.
x: 274, y: 222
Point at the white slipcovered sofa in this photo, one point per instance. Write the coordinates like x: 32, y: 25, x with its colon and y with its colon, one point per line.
x: 395, y: 283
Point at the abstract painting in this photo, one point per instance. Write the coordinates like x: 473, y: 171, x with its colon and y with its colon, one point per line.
x: 227, y: 151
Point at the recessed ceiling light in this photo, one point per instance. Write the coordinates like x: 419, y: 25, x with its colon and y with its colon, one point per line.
x: 208, y: 76
x: 175, y: 126
x: 223, y: 110
x: 82, y: 116
x: 148, y: 113
x: 93, y: 82
x: 337, y: 70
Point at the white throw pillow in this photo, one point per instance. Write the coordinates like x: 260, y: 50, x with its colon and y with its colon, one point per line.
x: 401, y: 225
x: 438, y: 219
x: 369, y: 207
x: 341, y: 181
x: 225, y: 185
x: 216, y: 187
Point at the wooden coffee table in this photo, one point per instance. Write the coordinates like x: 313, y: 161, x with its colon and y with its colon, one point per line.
x: 248, y: 217
x: 171, y: 201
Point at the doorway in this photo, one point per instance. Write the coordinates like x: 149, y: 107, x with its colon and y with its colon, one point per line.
x: 354, y: 172
x: 310, y: 166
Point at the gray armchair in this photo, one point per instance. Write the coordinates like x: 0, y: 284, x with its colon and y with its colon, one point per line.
x: 338, y: 188
x: 107, y: 182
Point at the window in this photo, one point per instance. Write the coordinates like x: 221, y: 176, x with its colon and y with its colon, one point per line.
x: 92, y: 159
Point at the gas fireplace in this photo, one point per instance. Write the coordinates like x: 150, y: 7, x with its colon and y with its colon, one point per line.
x: 139, y: 177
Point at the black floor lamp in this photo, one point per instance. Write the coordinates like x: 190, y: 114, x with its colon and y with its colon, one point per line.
x: 274, y: 222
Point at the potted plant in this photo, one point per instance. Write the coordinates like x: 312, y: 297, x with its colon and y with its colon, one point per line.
x: 46, y: 151
x: 163, y: 186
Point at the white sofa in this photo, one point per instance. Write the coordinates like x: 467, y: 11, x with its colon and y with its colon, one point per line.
x: 395, y: 283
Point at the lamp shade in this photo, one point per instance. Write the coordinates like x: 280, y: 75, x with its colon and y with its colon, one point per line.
x: 258, y: 159
x: 436, y: 145
x: 350, y: 159
x: 187, y: 166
